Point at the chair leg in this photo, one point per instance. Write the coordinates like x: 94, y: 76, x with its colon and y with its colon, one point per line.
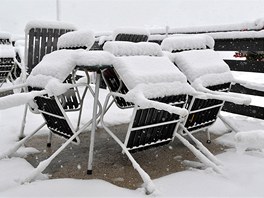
x: 20, y: 143
x: 49, y: 139
x: 203, y: 154
x: 22, y: 129
x: 148, y: 184
x: 208, y: 141
x: 43, y: 165
x: 96, y: 97
x: 228, y: 124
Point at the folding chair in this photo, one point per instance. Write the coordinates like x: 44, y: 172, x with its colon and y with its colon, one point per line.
x: 41, y: 38
x: 7, y: 65
x: 49, y: 100
x: 158, y: 91
x: 207, y: 73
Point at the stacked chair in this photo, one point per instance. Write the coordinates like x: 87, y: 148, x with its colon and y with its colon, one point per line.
x: 41, y: 38
x: 7, y: 62
x: 143, y: 78
x: 49, y: 87
x: 207, y: 73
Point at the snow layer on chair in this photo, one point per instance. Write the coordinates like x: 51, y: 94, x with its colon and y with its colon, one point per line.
x: 48, y: 24
x: 76, y: 39
x: 59, y: 64
x: 5, y: 35
x: 7, y: 51
x: 124, y: 48
x: 130, y: 30
x: 135, y: 70
x: 185, y: 42
x: 202, y: 64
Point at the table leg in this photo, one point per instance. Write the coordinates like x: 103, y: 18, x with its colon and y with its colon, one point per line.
x: 96, y: 97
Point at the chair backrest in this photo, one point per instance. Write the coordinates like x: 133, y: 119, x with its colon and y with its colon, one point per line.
x: 7, y: 55
x: 41, y: 39
x: 131, y: 34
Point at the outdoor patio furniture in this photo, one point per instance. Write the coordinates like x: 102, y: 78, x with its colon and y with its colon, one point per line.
x: 206, y: 72
x: 41, y: 38
x: 7, y: 63
x: 158, y: 91
x: 131, y: 34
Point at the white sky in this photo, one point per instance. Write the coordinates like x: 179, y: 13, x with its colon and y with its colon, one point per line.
x: 105, y: 15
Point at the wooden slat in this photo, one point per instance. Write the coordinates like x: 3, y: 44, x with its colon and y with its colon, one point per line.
x: 246, y: 66
x: 250, y: 111
x: 30, y: 54
x: 43, y: 42
x: 49, y: 41
x: 237, y: 88
x: 37, y: 48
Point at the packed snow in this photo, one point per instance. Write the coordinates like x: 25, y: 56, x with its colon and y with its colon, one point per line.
x: 243, y: 159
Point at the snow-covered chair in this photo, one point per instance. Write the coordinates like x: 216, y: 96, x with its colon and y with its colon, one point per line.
x: 131, y: 34
x: 7, y: 62
x: 41, y: 38
x: 206, y: 72
x: 141, y: 77
x: 47, y: 80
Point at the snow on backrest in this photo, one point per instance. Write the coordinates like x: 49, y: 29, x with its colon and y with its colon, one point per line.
x: 123, y: 48
x: 205, y: 66
x: 130, y: 30
x: 76, y: 39
x: 7, y: 51
x: 48, y: 24
x: 187, y: 42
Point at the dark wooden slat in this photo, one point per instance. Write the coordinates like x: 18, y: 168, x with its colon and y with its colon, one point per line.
x: 43, y: 42
x: 243, y: 44
x: 247, y: 66
x: 49, y: 41
x: 250, y: 111
x: 30, y: 54
x: 237, y: 88
x: 36, y: 59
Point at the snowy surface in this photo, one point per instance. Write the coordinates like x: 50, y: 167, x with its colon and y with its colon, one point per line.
x: 7, y: 51
x: 48, y: 24
x: 198, y: 63
x: 243, y: 170
x: 76, y: 39
x: 187, y: 42
x: 135, y: 70
x: 125, y: 48
x: 59, y: 64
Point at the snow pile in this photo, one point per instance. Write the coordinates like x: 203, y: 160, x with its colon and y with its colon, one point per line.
x: 204, y: 66
x: 124, y: 48
x: 249, y: 140
x: 135, y: 70
x: 48, y: 24
x: 59, y: 64
x: 130, y: 30
x: 76, y: 39
x: 5, y: 35
x: 7, y: 51
x: 187, y: 42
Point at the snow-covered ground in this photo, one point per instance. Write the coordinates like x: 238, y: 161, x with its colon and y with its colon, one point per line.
x: 243, y: 170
